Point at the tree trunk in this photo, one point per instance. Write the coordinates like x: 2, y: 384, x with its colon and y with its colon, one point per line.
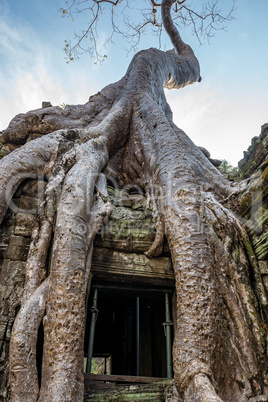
x: 219, y: 349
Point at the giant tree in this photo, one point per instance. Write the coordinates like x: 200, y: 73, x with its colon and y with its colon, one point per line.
x: 219, y: 346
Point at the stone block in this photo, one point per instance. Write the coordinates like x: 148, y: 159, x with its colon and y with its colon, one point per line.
x: 3, y: 152
x: 154, y: 392
x: 10, y: 147
x: 265, y: 282
x: 4, y: 240
x: 264, y: 267
x: 12, y: 272
x: 33, y: 136
x: 12, y: 279
x: 24, y: 224
x: 260, y: 245
x: 18, y: 248
x: 132, y: 267
x: 29, y: 204
x: 46, y: 104
x: 255, y: 155
x: 34, y: 188
x: 7, y: 148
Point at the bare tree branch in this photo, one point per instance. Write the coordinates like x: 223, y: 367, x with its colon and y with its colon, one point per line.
x: 203, y: 18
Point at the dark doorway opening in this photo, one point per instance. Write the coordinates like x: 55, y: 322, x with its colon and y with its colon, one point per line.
x: 130, y: 332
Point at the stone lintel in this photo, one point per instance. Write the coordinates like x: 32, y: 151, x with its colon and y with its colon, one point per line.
x: 131, y: 267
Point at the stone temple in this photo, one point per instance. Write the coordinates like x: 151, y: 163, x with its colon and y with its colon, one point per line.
x: 130, y: 299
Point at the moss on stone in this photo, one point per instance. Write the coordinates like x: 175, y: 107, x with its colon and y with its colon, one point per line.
x: 265, y: 174
x: 236, y: 254
x: 3, y: 152
x: 154, y: 392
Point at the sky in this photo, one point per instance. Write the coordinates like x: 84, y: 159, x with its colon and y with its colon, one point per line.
x: 222, y: 113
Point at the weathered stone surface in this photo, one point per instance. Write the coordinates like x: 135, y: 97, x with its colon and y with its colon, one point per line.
x: 29, y: 204
x: 31, y: 188
x: 261, y: 398
x: 265, y: 282
x: 254, y: 211
x: 127, y: 229
x: 9, y: 147
x: 6, y: 148
x: 6, y: 230
x: 131, y: 227
x: 3, y: 153
x: 254, y: 201
x: 256, y: 153
x: 215, y: 162
x: 15, y: 236
x: 119, y: 266
x: 264, y: 267
x: 18, y: 248
x: 215, y: 317
x: 33, y: 136
x: 154, y: 392
x: 205, y: 152
x: 260, y: 244
x: 24, y: 224
x: 46, y: 104
x: 12, y: 278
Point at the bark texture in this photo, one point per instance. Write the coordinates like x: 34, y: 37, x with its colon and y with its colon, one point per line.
x: 219, y: 351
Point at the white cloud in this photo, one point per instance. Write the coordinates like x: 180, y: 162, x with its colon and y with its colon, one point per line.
x: 32, y: 69
x: 223, y: 124
x: 28, y: 75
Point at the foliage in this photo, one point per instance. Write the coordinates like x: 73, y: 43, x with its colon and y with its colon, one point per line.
x: 227, y: 168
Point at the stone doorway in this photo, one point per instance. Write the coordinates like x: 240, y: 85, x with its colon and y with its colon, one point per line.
x: 131, y: 330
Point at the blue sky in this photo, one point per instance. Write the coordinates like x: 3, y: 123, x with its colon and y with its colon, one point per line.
x: 222, y: 113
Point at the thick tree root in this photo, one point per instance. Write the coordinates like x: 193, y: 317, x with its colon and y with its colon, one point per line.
x: 213, y: 278
x: 208, y: 294
x: 34, y: 159
x: 156, y: 248
x: 88, y: 160
x: 23, y: 371
x: 201, y: 390
x: 36, y: 269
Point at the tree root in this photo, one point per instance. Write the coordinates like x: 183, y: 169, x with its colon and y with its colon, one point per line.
x: 36, y: 262
x: 49, y: 120
x: 156, y: 248
x: 24, y: 335
x: 211, y: 286
x: 201, y: 390
x: 33, y: 159
x: 69, y: 275
x: 23, y: 371
x: 100, y: 212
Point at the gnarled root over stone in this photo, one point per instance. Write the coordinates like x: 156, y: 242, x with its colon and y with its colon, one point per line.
x: 220, y: 334
x: 201, y: 389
